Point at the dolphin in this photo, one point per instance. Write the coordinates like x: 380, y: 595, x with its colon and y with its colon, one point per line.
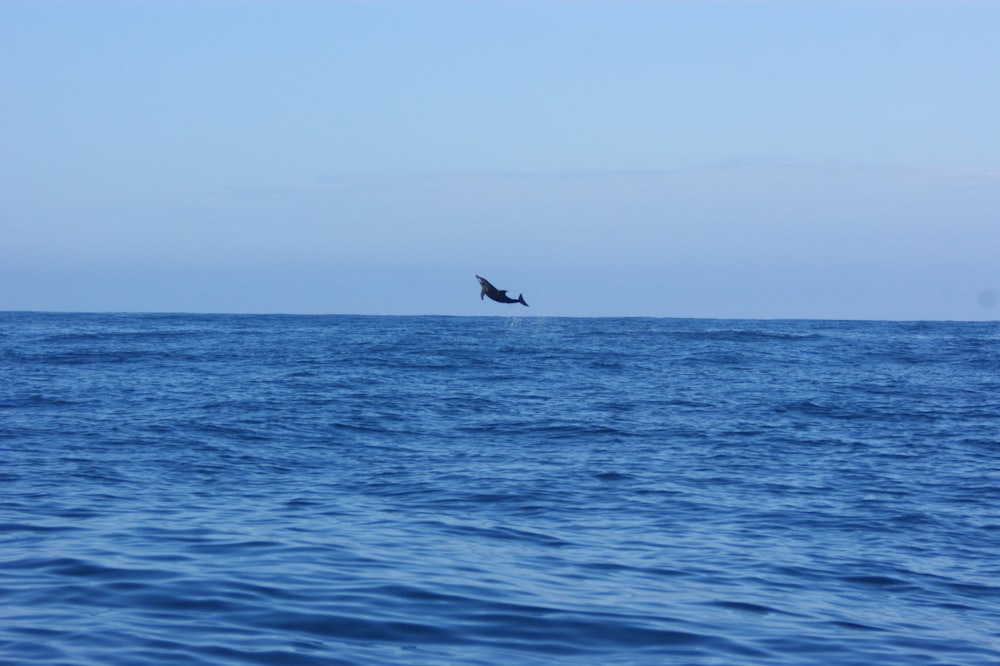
x: 498, y: 295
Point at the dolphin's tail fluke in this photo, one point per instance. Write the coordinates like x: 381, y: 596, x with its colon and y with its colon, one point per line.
x: 520, y: 299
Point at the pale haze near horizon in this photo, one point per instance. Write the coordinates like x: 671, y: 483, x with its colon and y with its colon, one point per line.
x: 674, y: 159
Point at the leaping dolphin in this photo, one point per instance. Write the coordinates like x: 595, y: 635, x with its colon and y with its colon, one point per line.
x: 498, y: 295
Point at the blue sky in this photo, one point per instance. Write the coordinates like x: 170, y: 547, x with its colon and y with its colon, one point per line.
x: 676, y: 158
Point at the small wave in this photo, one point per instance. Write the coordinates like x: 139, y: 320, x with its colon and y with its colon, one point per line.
x: 746, y: 335
x: 10, y: 529
x: 612, y: 476
x: 748, y: 607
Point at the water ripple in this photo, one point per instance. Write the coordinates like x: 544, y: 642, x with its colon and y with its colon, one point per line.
x: 356, y: 490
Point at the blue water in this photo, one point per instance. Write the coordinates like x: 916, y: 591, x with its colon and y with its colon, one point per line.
x: 431, y: 490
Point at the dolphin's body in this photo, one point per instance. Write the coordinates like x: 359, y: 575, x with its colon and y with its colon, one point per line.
x: 498, y: 295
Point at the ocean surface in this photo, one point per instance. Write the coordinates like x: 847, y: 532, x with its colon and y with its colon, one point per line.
x: 186, y: 489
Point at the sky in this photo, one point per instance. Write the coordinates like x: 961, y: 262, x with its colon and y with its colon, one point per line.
x: 681, y: 158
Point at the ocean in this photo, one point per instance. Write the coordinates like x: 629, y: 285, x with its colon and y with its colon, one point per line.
x: 225, y: 489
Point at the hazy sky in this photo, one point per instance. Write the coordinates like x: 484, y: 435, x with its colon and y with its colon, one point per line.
x: 677, y: 158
